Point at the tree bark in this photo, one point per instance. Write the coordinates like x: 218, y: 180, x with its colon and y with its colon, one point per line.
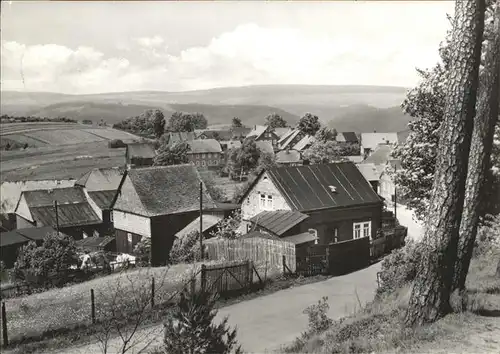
x: 479, y: 156
x: 430, y: 298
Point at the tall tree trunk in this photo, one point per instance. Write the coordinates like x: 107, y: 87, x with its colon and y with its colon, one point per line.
x: 430, y: 298
x: 479, y: 157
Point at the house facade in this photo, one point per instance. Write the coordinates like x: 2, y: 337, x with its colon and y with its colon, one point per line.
x: 338, y: 201
x: 206, y: 153
x: 157, y: 202
x: 264, y: 133
x: 370, y: 141
x: 139, y: 155
x: 387, y: 188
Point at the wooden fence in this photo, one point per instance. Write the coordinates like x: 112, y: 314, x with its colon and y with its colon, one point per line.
x: 228, y: 278
x: 260, y: 251
x: 393, y: 238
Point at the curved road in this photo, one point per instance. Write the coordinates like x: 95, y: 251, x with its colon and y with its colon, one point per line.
x: 267, y: 322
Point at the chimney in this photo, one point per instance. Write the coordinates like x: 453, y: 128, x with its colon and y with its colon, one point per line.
x: 374, y: 131
x: 254, y: 127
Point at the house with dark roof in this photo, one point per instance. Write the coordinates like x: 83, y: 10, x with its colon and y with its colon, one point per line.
x: 74, y: 216
x: 12, y: 241
x: 217, y: 134
x: 290, y: 139
x: 304, y: 143
x: 333, y: 199
x: 179, y: 137
x: 100, y: 186
x: 206, y: 153
x: 263, y: 133
x: 157, y: 202
x: 347, y: 137
x: 139, y: 155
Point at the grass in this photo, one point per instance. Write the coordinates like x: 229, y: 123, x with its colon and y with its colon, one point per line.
x: 378, y: 327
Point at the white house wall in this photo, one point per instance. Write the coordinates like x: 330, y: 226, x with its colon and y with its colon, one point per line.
x: 251, y: 205
x: 23, y: 210
x: 132, y: 223
x: 93, y: 204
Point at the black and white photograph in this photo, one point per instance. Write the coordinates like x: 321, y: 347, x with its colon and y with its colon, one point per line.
x: 219, y: 177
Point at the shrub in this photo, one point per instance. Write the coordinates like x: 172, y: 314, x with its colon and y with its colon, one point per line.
x: 318, y: 319
x: 53, y: 258
x: 186, y: 249
x: 400, y: 267
x: 191, y: 328
x: 488, y: 235
x: 116, y: 143
x: 3, y: 271
x: 228, y: 227
x: 142, y: 251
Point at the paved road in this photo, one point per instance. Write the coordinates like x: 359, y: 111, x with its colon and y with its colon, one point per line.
x: 405, y: 217
x: 265, y: 323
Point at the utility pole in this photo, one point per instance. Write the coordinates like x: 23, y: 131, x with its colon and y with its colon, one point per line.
x: 395, y: 195
x: 201, y: 220
x: 57, y: 217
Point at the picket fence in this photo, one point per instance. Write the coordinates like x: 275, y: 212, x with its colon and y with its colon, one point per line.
x: 262, y: 252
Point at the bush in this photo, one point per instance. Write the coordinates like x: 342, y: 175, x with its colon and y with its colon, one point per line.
x: 116, y: 143
x: 37, y: 264
x: 186, y: 249
x: 190, y: 329
x: 142, y: 252
x: 400, y: 267
x: 228, y: 227
x: 488, y: 235
x: 3, y: 271
x: 318, y: 319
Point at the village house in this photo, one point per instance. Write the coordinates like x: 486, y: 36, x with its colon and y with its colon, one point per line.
x: 347, y: 138
x: 12, y: 241
x: 265, y: 146
x: 387, y: 188
x: 289, y: 139
x: 227, y: 145
x: 139, y: 155
x: 178, y: 137
x: 206, y: 153
x: 334, y: 200
x: 157, y: 202
x: 217, y: 134
x: 304, y: 143
x: 280, y: 132
x: 263, y: 133
x: 100, y: 186
x: 74, y: 216
x: 239, y: 133
x: 370, y: 141
x: 289, y: 158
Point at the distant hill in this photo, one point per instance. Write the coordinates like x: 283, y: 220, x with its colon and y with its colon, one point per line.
x: 365, y: 105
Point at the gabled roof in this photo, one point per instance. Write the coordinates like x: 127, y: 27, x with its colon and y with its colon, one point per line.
x: 265, y: 146
x: 101, y: 179
x: 178, y: 137
x: 47, y: 197
x: 200, y: 146
x: 304, y: 143
x: 288, y: 156
x: 162, y: 190
x: 307, y: 188
x: 381, y: 155
x: 348, y: 137
x: 372, y: 140
x: 288, y: 138
x: 257, y: 131
x: 370, y: 171
x: 280, y: 221
x: 282, y: 131
x: 218, y: 134
x: 20, y: 236
x: 240, y: 131
x: 208, y: 222
x: 141, y: 150
x: 103, y: 199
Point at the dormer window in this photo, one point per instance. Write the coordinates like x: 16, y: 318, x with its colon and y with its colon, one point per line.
x: 333, y: 189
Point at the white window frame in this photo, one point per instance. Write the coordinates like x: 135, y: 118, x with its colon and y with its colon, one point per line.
x: 269, y: 202
x: 203, y: 163
x: 362, y: 229
x: 266, y: 201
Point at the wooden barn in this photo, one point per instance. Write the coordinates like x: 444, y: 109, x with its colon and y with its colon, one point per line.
x: 74, y: 215
x: 139, y: 155
x: 333, y: 199
x: 157, y: 202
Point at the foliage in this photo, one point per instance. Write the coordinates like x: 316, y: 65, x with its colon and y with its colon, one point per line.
x: 488, y: 235
x: 242, y: 189
x: 400, y: 267
x: 326, y: 134
x: 17, y: 119
x: 323, y: 152
x: 142, y: 251
x: 318, y: 320
x: 116, y: 143
x: 266, y: 161
x: 236, y: 122
x: 186, y: 249
x: 228, y: 227
x: 186, y: 122
x: 309, y: 124
x: 54, y: 256
x: 144, y: 124
x: 191, y: 328
x: 3, y: 272
x: 172, y: 154
x: 158, y: 123
x: 216, y: 192
x: 244, y: 158
x: 274, y: 120
x: 87, y: 121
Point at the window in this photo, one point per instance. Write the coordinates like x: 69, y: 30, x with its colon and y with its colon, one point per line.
x: 266, y: 202
x: 203, y: 163
x: 362, y: 229
x: 197, y: 163
x: 85, y: 234
x: 111, y: 216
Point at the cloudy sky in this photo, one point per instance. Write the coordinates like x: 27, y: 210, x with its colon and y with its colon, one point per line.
x: 91, y: 47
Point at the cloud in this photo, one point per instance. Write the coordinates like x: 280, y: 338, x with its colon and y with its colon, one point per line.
x: 250, y: 54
